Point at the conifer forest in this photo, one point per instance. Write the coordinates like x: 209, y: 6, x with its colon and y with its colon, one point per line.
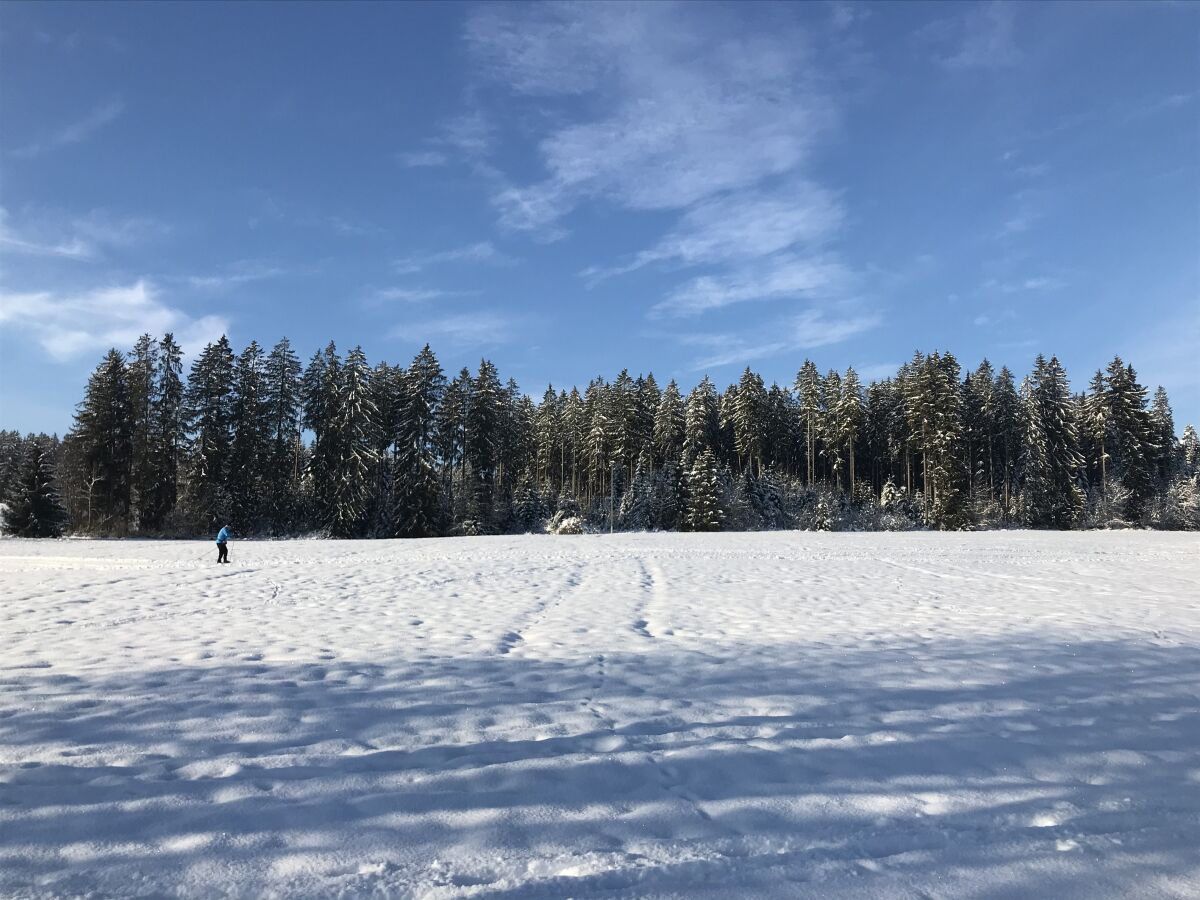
x: 340, y: 447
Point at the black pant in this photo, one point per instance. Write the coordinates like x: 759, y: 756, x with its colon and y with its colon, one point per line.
x: 222, y: 553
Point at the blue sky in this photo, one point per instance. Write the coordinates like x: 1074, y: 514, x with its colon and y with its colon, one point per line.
x: 570, y: 190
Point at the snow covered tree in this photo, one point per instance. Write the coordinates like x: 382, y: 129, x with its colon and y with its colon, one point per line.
x: 320, y: 389
x: 161, y: 483
x: 669, y: 425
x: 281, y: 396
x: 209, y: 405
x: 145, y: 456
x: 102, y: 448
x: 850, y: 418
x: 701, y: 422
x: 484, y: 421
x: 353, y: 455
x: 1166, y: 445
x: 750, y: 421
x: 635, y: 510
x: 250, y: 451
x: 1052, y: 460
x: 417, y: 504
x: 704, y: 512
x: 34, y: 508
x: 808, y: 395
x: 1132, y: 449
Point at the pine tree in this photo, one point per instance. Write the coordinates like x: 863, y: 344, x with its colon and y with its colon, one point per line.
x: 320, y: 389
x: 417, y: 481
x: 1052, y: 459
x: 1133, y: 449
x: 669, y: 425
x: 850, y: 419
x: 34, y: 508
x: 701, y: 422
x: 142, y: 374
x: 282, y: 404
x: 170, y: 436
x: 484, y: 420
x: 808, y: 395
x: 1162, y: 428
x: 103, y: 446
x: 750, y: 421
x: 209, y: 406
x: 352, y: 440
x: 250, y: 451
x: 704, y: 512
x: 1009, y: 435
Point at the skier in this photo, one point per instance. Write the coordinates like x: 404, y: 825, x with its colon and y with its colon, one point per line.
x: 222, y: 548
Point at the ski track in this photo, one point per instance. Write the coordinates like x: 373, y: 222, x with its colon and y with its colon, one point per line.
x: 786, y: 714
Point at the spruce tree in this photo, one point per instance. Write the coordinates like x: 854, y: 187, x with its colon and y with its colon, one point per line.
x: 1051, y: 459
x: 1133, y: 448
x: 808, y: 396
x: 351, y: 441
x: 34, y: 508
x: 704, y: 512
x: 146, y: 455
x: 209, y: 405
x: 170, y: 429
x: 417, y: 509
x: 282, y: 400
x: 103, y: 446
x: 669, y: 425
x: 250, y: 452
x: 750, y: 421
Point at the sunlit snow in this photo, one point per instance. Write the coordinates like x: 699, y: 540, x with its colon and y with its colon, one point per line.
x: 786, y: 714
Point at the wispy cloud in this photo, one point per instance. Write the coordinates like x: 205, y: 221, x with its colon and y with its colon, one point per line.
x: 68, y: 324
x: 83, y: 237
x: 422, y: 159
x: 380, y: 296
x: 464, y: 330
x: 77, y: 131
x: 241, y: 272
x: 483, y: 252
x: 986, y: 37
x: 786, y: 276
x: 73, y: 247
x: 742, y: 225
x: 1035, y: 283
x: 806, y: 331
x: 689, y: 111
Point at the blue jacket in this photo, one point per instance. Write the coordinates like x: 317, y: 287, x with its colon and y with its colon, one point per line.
x: 222, y: 535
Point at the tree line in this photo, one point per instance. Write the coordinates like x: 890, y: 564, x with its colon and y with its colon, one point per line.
x: 340, y: 447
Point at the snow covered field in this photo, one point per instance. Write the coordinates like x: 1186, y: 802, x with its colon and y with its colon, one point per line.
x: 788, y: 714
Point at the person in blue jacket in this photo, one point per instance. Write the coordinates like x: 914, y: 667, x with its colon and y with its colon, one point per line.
x: 222, y: 547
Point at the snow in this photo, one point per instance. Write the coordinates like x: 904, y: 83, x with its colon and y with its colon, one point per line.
x: 993, y: 715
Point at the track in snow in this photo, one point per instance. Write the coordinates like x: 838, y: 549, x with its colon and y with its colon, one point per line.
x: 1004, y: 714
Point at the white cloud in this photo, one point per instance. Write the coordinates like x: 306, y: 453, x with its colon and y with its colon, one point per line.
x: 678, y: 108
x: 422, y: 159
x: 240, y: 272
x: 786, y: 276
x: 464, y: 329
x: 987, y: 39
x: 83, y: 237
x: 68, y: 324
x: 72, y: 248
x: 76, y: 132
x: 743, y: 225
x: 483, y: 252
x: 805, y: 331
x: 1036, y: 283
